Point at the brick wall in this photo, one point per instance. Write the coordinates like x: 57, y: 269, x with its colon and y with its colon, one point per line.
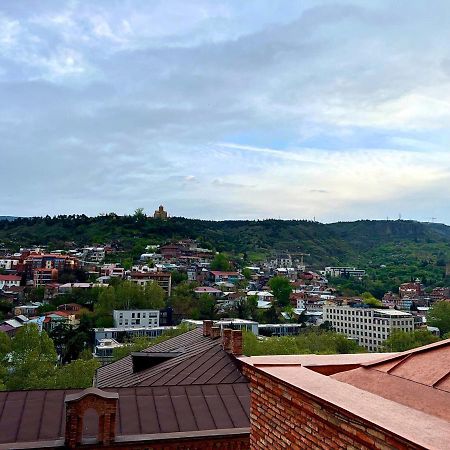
x: 229, y: 443
x: 282, y: 417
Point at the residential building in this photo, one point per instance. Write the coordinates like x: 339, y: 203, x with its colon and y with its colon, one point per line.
x: 7, y: 281
x: 367, y: 326
x: 93, y: 254
x: 163, y: 279
x: 122, y: 333
x: 136, y: 318
x: 411, y: 290
x: 337, y: 272
x: 43, y: 276
x: 9, y: 263
x: 218, y: 276
x: 104, y: 349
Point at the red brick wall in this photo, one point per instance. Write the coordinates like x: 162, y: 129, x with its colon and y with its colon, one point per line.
x: 282, y: 417
x: 230, y: 443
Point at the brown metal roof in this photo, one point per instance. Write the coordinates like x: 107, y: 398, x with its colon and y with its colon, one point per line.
x: 32, y: 416
x: 201, y: 361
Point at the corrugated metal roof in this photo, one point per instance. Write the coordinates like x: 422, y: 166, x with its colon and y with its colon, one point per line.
x: 202, y: 361
x: 30, y: 416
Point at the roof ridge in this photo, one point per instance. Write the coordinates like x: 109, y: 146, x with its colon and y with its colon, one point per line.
x: 408, y: 353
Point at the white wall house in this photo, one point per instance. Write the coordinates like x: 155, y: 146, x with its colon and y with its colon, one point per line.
x: 136, y: 318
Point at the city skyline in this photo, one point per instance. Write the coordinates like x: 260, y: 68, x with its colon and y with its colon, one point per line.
x: 218, y: 110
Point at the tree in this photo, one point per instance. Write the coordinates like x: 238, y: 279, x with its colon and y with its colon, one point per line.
x: 439, y: 316
x: 281, y: 289
x: 184, y: 301
x: 247, y: 273
x: 369, y: 299
x: 220, y: 262
x: 400, y: 341
x: 154, y: 296
x: 77, y: 374
x: 32, y: 359
x: 207, y: 307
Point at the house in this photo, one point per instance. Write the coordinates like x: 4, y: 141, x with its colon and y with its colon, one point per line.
x: 218, y: 276
x: 8, y: 281
x: 208, y: 290
x: 55, y: 318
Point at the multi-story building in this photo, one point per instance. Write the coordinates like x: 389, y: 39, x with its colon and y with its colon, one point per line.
x: 163, y: 279
x: 9, y: 262
x: 136, y: 318
x: 6, y: 281
x: 369, y: 327
x: 43, y: 276
x: 411, y: 290
x: 93, y: 254
x: 337, y: 272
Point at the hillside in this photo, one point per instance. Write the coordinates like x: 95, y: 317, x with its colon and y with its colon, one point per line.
x: 367, y: 243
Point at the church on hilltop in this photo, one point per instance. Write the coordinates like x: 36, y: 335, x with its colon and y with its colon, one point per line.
x: 160, y: 213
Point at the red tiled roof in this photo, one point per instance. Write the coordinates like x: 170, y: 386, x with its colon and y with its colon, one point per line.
x: 10, y: 278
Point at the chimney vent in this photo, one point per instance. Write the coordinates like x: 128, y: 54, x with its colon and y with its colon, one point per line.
x: 207, y: 325
x: 215, y: 332
x: 226, y: 339
x: 236, y: 342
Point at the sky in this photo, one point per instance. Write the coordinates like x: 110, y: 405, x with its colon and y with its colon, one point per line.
x: 325, y: 110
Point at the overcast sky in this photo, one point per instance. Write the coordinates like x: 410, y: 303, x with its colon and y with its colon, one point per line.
x: 337, y: 110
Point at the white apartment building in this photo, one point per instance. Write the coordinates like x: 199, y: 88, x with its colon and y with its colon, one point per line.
x: 137, y: 318
x: 369, y: 327
x: 343, y: 271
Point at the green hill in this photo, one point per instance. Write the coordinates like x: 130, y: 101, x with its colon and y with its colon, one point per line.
x: 366, y: 243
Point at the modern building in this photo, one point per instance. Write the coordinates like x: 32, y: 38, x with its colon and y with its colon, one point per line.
x: 104, y: 349
x: 337, y: 272
x: 369, y: 327
x: 136, y: 318
x: 127, y: 333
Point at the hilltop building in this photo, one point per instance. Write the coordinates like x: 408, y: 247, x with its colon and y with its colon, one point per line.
x: 160, y: 213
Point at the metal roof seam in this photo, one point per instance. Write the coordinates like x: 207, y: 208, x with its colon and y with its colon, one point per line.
x: 190, y: 406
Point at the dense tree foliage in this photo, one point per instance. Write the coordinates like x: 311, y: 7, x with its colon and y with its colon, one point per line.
x: 281, y: 289
x: 310, y: 341
x: 29, y: 361
x: 127, y: 295
x: 400, y: 341
x: 439, y: 316
x: 220, y: 262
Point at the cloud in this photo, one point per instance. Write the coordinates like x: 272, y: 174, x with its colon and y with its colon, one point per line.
x: 226, y: 110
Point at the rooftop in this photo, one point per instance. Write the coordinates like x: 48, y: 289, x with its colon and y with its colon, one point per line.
x: 201, y: 361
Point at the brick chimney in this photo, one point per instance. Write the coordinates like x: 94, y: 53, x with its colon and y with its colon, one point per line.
x: 104, y: 403
x: 215, y: 332
x: 226, y: 339
x: 236, y: 342
x: 207, y: 325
